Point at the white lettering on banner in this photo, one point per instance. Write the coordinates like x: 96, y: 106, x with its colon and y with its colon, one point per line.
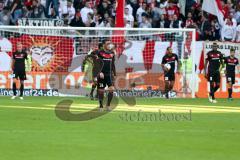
x: 28, y: 84
x: 3, y: 81
x: 66, y: 80
x: 39, y: 78
x: 223, y: 47
x: 54, y: 82
x: 40, y: 22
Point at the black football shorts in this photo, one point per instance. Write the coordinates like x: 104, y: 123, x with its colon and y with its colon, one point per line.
x: 106, y: 81
x: 19, y: 74
x: 214, y: 77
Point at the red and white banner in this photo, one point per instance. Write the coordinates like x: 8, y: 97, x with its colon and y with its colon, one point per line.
x: 214, y: 7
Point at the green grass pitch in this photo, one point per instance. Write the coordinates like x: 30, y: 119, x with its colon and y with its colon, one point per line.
x: 30, y: 130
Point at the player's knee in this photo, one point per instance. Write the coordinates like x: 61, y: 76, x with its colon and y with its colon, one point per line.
x: 111, y: 88
x: 217, y: 85
x: 230, y: 85
x: 14, y: 80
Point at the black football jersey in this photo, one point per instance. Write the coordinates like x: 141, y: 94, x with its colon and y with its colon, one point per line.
x: 215, y: 58
x: 170, y: 59
x: 107, y: 58
x: 231, y: 64
x: 19, y: 58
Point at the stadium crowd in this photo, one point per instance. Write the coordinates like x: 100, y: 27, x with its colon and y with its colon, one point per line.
x: 137, y: 13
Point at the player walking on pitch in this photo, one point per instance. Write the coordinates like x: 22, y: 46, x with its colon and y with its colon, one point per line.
x: 214, y: 63
x: 106, y: 55
x: 168, y: 65
x: 231, y: 63
x: 18, y: 67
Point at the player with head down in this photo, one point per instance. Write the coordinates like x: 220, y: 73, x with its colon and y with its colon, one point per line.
x: 215, y: 63
x: 106, y: 73
x: 231, y: 63
x: 168, y: 66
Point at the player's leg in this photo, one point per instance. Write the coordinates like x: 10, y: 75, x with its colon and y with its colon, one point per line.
x: 110, y: 96
x: 100, y: 89
x: 212, y: 84
x: 172, y: 81
x: 22, y: 77
x: 166, y: 89
x: 216, y: 79
x: 111, y: 88
x: 14, y: 88
x: 94, y: 85
x: 230, y: 82
x: 21, y: 89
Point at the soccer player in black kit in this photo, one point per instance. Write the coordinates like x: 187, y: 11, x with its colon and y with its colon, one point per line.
x: 18, y: 67
x: 214, y: 63
x: 231, y: 63
x: 105, y: 76
x: 92, y: 59
x: 169, y: 75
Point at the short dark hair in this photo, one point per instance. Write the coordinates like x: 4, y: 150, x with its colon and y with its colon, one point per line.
x: 105, y: 40
x: 168, y: 48
x: 232, y: 50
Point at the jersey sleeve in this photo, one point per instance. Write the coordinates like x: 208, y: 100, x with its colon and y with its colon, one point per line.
x: 176, y: 58
x: 237, y: 63
x: 225, y: 60
x: 164, y: 60
x: 25, y: 55
x: 208, y: 58
x: 13, y: 56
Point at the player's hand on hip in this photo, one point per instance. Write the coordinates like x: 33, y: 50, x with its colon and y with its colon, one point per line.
x: 101, y: 75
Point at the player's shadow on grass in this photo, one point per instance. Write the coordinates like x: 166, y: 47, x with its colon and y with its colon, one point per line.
x: 62, y: 109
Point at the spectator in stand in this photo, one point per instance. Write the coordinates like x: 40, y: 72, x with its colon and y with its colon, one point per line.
x: 5, y: 16
x: 90, y: 22
x: 85, y: 11
x: 49, y: 12
x: 204, y: 28
x: 128, y: 18
x: 37, y: 10
x: 1, y: 6
x: 104, y: 8
x: 172, y: 9
x: 215, y: 30
x: 28, y: 4
x: 140, y: 11
x: 162, y: 21
x: 52, y: 13
x: 163, y: 6
x: 105, y: 23
x: 16, y: 10
x: 237, y: 14
x: 189, y: 21
x: 237, y: 34
x: 145, y: 22
x: 175, y: 23
x: 97, y: 20
x: 155, y: 13
x: 77, y: 20
x: 130, y: 9
x: 68, y: 10
x: 228, y: 31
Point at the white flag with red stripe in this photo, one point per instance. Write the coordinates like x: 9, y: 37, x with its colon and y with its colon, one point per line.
x: 214, y: 7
